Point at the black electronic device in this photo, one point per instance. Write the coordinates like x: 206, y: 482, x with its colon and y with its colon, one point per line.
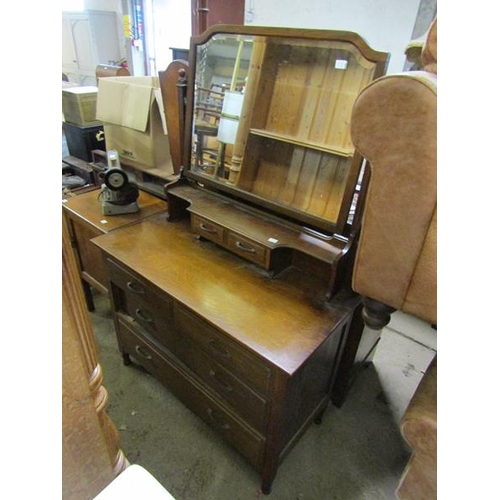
x: 118, y: 194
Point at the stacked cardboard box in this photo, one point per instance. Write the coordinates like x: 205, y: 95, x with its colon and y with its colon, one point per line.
x: 131, y: 109
x: 79, y: 106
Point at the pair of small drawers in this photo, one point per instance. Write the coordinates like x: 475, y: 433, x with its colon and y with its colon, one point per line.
x: 239, y: 379
x: 244, y: 247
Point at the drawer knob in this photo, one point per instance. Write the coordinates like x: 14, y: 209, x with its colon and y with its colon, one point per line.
x: 218, y: 349
x: 216, y: 420
x: 143, y: 317
x: 133, y: 287
x: 221, y: 383
x: 245, y: 248
x: 207, y: 229
x: 141, y: 353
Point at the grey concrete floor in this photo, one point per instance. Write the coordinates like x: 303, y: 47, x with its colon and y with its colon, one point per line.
x: 356, y: 453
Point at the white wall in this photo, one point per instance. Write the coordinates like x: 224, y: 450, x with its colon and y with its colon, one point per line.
x: 171, y: 21
x: 386, y: 25
x: 112, y: 5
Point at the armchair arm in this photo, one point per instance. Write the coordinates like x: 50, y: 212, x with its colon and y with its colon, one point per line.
x: 394, y: 127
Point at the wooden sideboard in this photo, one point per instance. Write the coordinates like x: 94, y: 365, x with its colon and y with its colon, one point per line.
x: 252, y: 355
x: 85, y: 221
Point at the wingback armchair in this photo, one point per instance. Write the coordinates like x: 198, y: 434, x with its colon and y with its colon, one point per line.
x: 393, y: 126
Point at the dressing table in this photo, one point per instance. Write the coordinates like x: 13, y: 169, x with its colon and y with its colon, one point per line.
x: 237, y: 297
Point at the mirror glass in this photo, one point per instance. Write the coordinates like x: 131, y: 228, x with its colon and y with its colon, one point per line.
x: 271, y: 118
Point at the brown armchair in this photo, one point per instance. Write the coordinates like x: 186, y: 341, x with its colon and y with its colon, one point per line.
x: 394, y: 127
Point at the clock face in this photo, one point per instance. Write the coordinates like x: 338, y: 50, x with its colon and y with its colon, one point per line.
x: 115, y: 179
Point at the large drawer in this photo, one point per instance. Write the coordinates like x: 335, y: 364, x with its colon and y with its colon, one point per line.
x: 185, y: 386
x: 226, y: 352
x: 245, y: 401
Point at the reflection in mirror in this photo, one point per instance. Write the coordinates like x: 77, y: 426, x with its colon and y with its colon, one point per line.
x: 271, y: 121
x: 221, y: 73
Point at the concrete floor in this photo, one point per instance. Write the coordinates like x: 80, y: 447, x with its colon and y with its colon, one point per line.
x: 356, y: 453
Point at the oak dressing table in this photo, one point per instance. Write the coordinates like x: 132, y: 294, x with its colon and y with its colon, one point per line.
x: 237, y: 299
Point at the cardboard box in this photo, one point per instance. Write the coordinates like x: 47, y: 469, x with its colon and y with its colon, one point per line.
x: 131, y: 109
x: 79, y: 105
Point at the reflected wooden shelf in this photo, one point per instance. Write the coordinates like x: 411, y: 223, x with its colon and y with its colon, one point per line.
x: 326, y: 148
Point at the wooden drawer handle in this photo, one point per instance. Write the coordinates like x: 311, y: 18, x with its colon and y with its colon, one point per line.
x: 218, y: 349
x: 207, y: 229
x: 213, y: 416
x: 221, y: 383
x: 243, y: 247
x: 140, y: 315
x: 141, y: 353
x: 133, y: 287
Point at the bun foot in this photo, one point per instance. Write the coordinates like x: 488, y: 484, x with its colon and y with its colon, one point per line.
x: 375, y: 314
x: 266, y: 490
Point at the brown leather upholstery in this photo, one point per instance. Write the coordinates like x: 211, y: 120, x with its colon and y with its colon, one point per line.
x: 419, y: 428
x: 394, y: 127
x: 430, y: 50
x: 422, y: 51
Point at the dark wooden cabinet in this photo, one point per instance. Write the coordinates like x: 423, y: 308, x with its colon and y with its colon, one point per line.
x: 253, y: 356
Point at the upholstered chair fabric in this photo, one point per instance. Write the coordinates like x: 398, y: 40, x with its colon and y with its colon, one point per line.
x: 419, y: 428
x: 394, y: 127
x: 429, y: 52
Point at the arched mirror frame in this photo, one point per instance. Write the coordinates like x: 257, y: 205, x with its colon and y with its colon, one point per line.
x: 374, y: 60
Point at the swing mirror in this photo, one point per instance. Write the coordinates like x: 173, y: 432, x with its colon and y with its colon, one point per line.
x: 269, y: 112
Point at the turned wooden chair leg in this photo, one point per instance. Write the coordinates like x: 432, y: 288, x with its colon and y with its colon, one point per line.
x: 375, y: 314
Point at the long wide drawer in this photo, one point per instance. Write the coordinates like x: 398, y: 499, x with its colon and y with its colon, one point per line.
x: 245, y: 401
x: 191, y: 392
x: 226, y: 352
